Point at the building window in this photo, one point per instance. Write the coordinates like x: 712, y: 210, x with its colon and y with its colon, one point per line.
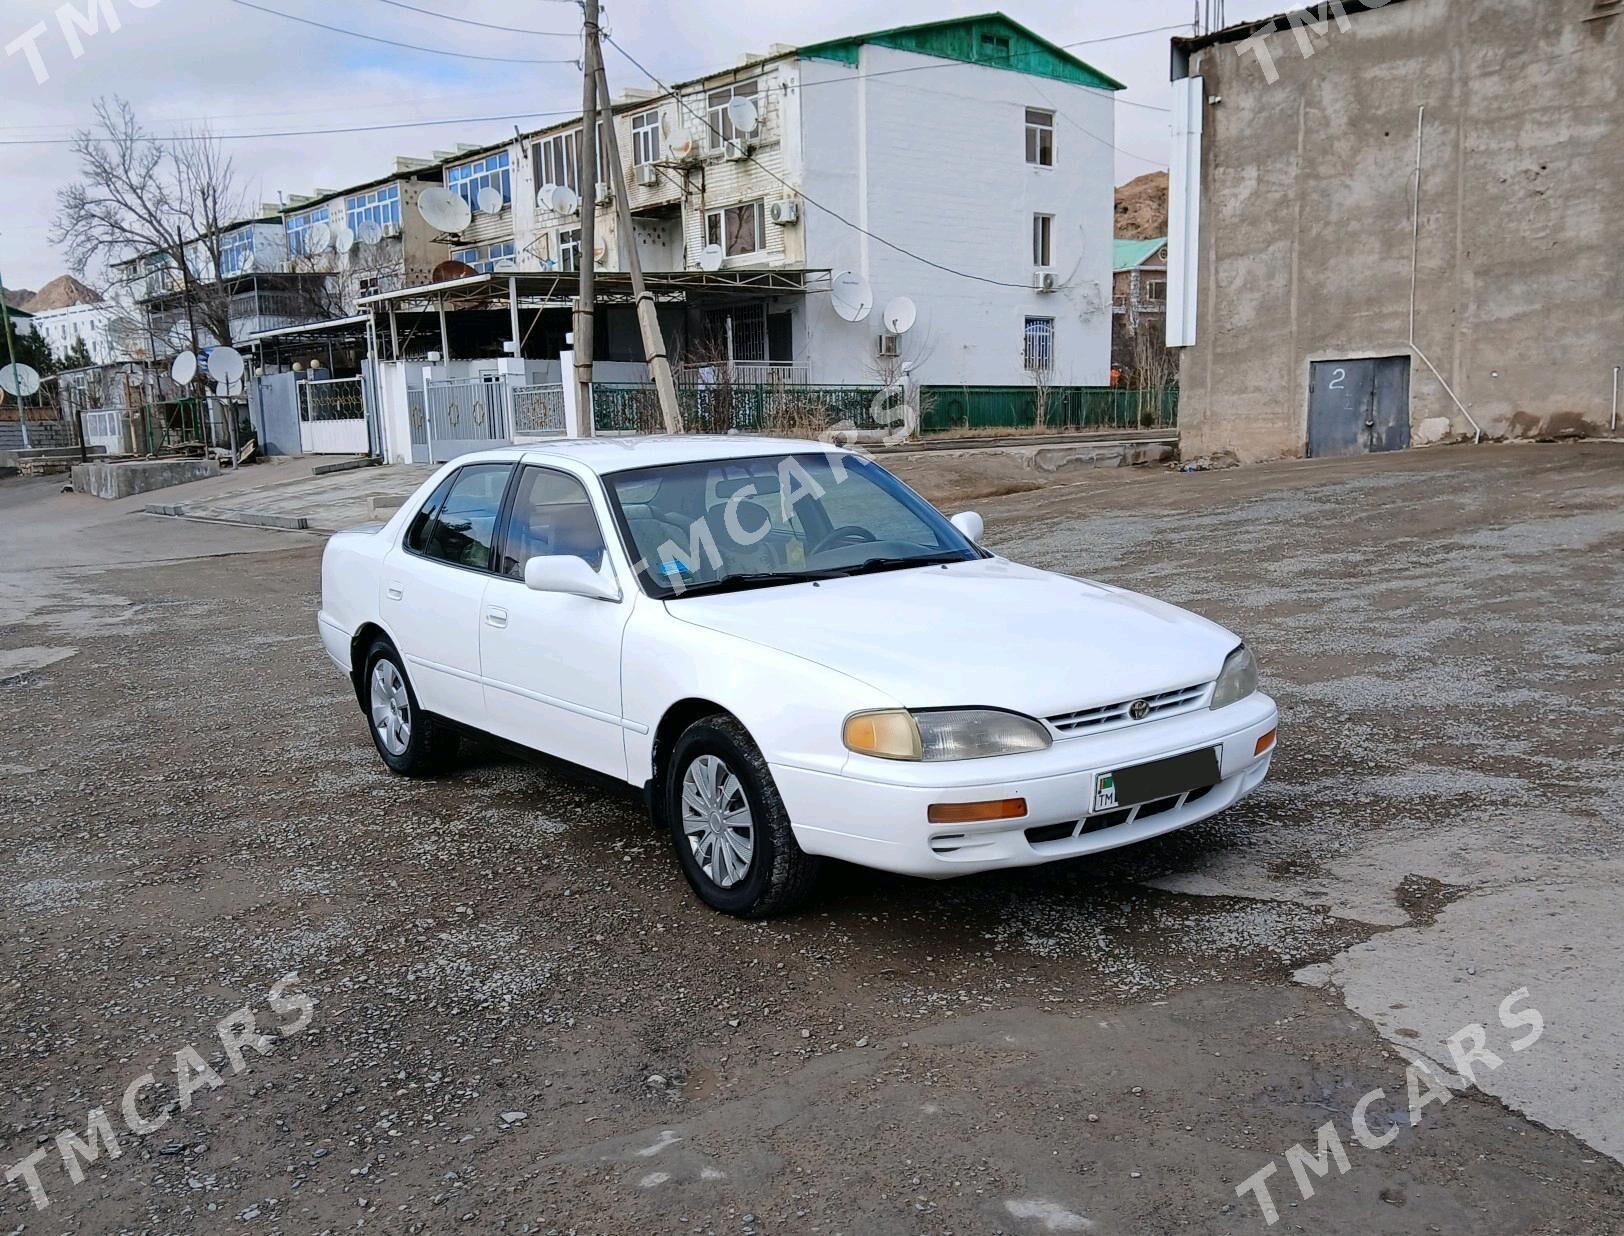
x: 1156, y: 291
x: 738, y: 229
x: 557, y: 159
x: 485, y: 260
x: 569, y: 249
x: 299, y: 227
x: 1042, y: 232
x: 1040, y: 344
x: 1039, y: 137
x: 995, y: 47
x: 491, y: 172
x: 235, y: 249
x: 381, y: 206
x: 720, y: 122
x: 645, y: 138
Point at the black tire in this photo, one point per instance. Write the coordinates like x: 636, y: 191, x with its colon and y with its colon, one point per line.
x: 780, y: 875
x: 431, y: 744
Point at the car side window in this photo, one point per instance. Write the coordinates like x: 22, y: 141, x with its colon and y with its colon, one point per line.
x: 464, y: 527
x: 417, y: 532
x: 551, y: 514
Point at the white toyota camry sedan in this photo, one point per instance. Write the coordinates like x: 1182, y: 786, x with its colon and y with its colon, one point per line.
x: 793, y: 656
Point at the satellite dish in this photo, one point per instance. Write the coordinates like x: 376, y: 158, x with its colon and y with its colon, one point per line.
x: 371, y: 232
x: 444, y: 210
x: 505, y: 266
x: 490, y: 201
x: 851, y: 296
x: 184, y: 369
x: 19, y: 380
x: 743, y: 113
x: 447, y: 271
x: 600, y: 250
x: 544, y: 195
x: 900, y: 314
x: 566, y: 201
x: 343, y: 239
x: 710, y: 257
x: 320, y: 239
x: 681, y: 143
x: 226, y: 365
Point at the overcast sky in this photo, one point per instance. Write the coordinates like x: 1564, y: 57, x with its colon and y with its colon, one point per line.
x: 244, y: 71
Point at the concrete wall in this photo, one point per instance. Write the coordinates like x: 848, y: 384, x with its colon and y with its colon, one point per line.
x: 936, y: 161
x: 1306, y: 219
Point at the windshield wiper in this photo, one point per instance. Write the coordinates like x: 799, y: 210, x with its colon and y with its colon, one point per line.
x: 873, y: 566
x: 751, y: 579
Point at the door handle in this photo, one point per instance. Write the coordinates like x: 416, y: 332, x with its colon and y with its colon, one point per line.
x: 496, y: 617
x: 394, y: 592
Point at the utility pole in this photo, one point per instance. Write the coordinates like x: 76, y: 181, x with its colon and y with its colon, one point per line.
x: 648, y: 319
x: 587, y: 178
x: 11, y: 356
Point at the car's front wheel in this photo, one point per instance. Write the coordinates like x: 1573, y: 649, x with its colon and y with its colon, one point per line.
x: 411, y: 741
x: 732, y: 834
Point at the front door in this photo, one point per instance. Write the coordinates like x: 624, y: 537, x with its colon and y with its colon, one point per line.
x: 552, y: 661
x: 1359, y: 406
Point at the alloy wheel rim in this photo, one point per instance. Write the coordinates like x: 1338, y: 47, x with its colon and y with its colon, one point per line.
x: 391, y: 709
x: 716, y: 820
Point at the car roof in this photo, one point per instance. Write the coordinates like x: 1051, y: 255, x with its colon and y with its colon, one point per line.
x: 616, y: 454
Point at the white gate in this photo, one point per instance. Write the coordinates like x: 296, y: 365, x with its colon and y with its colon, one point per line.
x: 464, y: 415
x: 333, y: 417
x: 105, y: 429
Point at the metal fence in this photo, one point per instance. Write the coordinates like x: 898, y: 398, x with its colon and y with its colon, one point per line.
x: 537, y: 411
x: 731, y: 407
x: 950, y: 408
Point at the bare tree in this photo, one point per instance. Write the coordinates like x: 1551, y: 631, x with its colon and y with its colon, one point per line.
x: 141, y: 197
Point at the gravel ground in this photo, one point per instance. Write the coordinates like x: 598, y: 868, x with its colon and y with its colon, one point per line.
x: 524, y: 1022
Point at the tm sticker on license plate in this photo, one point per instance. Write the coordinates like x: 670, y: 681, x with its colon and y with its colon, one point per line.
x: 1144, y: 783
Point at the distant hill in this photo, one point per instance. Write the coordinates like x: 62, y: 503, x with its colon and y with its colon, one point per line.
x: 1141, y: 207
x: 61, y: 293
x: 18, y: 297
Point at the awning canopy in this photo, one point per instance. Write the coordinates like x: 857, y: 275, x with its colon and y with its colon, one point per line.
x: 610, y: 287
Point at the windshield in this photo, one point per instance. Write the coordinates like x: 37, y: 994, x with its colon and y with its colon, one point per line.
x: 735, y: 523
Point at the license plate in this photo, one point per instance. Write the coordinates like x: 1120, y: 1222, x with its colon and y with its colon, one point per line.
x: 1144, y: 783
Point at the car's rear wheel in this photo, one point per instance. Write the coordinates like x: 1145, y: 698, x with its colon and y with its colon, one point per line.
x: 732, y: 834
x: 410, y: 741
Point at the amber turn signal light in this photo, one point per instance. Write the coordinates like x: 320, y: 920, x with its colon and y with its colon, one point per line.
x: 975, y: 813
x: 1264, y: 743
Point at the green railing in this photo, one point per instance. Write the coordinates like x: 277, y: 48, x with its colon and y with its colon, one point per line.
x: 807, y: 411
x: 950, y: 408
x: 768, y: 408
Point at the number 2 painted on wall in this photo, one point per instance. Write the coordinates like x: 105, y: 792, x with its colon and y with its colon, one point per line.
x: 1339, y: 380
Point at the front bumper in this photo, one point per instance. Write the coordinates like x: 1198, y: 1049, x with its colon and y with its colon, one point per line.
x: 874, y: 812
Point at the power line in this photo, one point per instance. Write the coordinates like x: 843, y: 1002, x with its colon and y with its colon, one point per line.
x: 248, y: 137
x: 833, y: 214
x: 1131, y: 34
x: 373, y: 38
x: 484, y: 25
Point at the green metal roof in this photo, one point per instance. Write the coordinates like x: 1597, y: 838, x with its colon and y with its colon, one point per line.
x: 1131, y: 253
x: 989, y: 39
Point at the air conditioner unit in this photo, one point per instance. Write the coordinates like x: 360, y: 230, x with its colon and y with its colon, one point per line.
x: 785, y: 213
x: 391, y: 229
x: 887, y: 345
x: 646, y: 176
x: 1043, y: 280
x: 738, y: 149
x: 605, y: 193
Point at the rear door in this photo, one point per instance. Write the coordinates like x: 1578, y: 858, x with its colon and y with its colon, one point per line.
x: 434, y: 584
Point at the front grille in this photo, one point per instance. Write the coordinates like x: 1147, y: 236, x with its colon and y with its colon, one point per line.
x: 1110, y: 716
x: 1047, y: 834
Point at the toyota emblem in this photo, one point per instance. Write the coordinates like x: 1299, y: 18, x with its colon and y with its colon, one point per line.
x: 1139, y: 709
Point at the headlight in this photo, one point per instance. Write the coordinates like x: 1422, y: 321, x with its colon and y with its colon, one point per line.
x: 944, y: 734
x: 1238, y: 680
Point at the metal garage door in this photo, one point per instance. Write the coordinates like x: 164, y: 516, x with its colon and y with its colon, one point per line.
x: 1359, y: 406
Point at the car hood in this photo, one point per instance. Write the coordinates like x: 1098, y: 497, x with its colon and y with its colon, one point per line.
x: 989, y: 633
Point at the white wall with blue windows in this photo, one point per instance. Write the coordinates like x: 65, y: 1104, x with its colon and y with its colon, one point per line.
x: 487, y: 244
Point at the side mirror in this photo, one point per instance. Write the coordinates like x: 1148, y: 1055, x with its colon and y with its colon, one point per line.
x: 969, y: 523
x: 570, y: 575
